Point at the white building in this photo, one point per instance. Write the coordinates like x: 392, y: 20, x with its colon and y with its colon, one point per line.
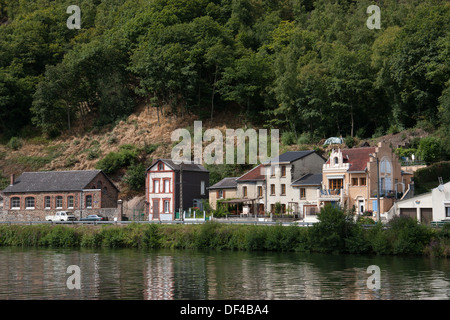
x: 427, y: 207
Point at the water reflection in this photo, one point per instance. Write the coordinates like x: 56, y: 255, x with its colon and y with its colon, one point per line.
x: 166, y: 275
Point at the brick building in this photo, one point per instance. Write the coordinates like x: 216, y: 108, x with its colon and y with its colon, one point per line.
x: 167, y: 182
x: 34, y: 195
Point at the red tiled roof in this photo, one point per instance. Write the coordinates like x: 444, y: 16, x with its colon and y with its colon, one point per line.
x: 357, y: 157
x: 254, y: 174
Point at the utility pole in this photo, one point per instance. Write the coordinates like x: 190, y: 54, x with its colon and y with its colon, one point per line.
x: 181, y: 190
x: 378, y: 186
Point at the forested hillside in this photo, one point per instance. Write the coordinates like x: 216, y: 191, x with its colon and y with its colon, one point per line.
x: 302, y: 66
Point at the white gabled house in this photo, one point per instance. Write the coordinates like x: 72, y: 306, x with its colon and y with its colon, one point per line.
x: 427, y: 207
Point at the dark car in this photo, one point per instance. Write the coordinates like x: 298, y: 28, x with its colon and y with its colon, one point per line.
x: 94, y: 217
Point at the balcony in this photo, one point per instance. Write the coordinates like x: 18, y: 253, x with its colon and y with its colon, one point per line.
x: 386, y: 194
x: 331, y: 194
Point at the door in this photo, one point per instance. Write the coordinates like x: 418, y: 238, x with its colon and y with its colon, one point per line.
x: 408, y: 212
x: 426, y: 215
x: 361, y: 206
x: 155, y: 209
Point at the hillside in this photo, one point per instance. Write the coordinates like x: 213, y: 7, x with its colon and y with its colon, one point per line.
x: 82, y: 149
x: 310, y: 68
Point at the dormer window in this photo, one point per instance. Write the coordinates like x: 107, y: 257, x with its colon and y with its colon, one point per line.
x: 336, y: 161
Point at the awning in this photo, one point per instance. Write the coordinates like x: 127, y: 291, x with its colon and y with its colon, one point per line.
x: 335, y: 176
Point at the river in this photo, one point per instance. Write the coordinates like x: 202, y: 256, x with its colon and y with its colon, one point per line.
x: 108, y: 274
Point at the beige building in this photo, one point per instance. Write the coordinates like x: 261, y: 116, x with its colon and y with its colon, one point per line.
x: 251, y: 191
x: 308, y: 204
x: 350, y: 178
x: 224, y: 189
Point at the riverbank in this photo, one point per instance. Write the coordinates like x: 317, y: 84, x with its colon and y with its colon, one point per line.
x: 403, y: 237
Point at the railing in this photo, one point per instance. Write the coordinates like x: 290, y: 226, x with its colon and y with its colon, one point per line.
x: 331, y: 193
x: 386, y: 194
x: 239, y: 221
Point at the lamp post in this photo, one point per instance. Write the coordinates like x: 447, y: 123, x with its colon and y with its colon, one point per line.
x: 378, y: 187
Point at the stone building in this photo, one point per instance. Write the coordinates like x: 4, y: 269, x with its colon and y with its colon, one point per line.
x: 33, y: 195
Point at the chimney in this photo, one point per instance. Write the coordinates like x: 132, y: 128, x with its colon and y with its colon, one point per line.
x: 12, y: 179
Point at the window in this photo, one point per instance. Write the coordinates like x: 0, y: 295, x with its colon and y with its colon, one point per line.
x: 99, y: 185
x: 161, y: 166
x: 70, y: 202
x: 447, y: 212
x: 166, y: 206
x: 354, y: 181
x: 335, y: 184
x: 260, y: 191
x: 166, y: 186
x: 302, y: 193
x: 272, y: 208
x: 283, y: 189
x: 220, y: 194
x: 155, y: 186
x: 362, y: 181
x: 272, y: 189
x: 272, y: 171
x: 47, y: 202
x: 15, y: 203
x: 202, y: 187
x: 244, y: 191
x: 283, y: 208
x: 59, y: 201
x: 336, y: 160
x: 283, y: 171
x: 89, y: 201
x: 29, y: 202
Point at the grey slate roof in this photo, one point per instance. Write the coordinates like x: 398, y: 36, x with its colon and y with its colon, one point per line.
x: 52, y: 181
x: 291, y: 156
x: 225, y: 183
x: 311, y: 179
x: 186, y: 166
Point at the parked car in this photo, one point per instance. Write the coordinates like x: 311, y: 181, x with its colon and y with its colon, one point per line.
x: 61, y: 216
x: 94, y: 217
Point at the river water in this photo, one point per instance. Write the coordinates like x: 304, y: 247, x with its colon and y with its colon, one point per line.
x: 41, y: 274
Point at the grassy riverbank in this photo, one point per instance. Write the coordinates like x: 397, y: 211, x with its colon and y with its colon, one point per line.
x: 335, y: 233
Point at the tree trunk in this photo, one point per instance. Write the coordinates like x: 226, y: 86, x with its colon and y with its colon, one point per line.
x: 353, y: 121
x: 214, y: 92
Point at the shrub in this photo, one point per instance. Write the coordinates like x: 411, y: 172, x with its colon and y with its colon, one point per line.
x: 114, y: 161
x: 135, y: 177
x: 430, y: 150
x: 288, y: 138
x: 410, y: 237
x: 333, y: 228
x: 303, y: 139
x: 14, y: 143
x: 379, y: 241
x: 350, y: 141
x: 60, y: 236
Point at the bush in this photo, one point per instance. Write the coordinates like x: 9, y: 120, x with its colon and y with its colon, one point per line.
x: 350, y: 141
x: 430, y: 150
x: 333, y: 228
x: 135, y: 177
x: 14, y: 143
x: 114, y: 161
x: 410, y: 237
x: 288, y: 138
